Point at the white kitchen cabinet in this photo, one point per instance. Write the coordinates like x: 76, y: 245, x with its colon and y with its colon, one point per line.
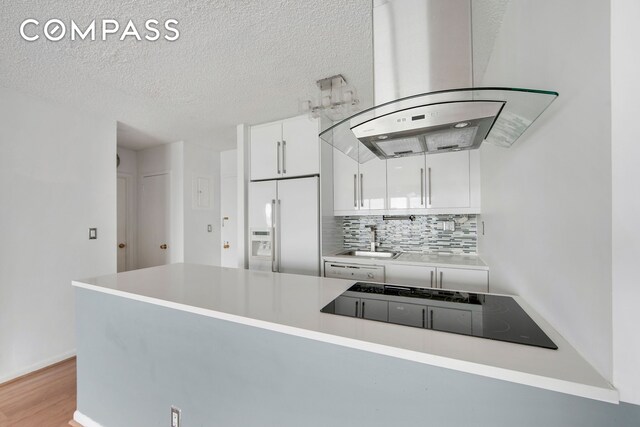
x: 406, y: 182
x: 462, y: 279
x: 373, y: 184
x: 448, y: 184
x: 286, y: 148
x: 358, y: 187
x: 450, y: 320
x: 300, y: 147
x: 345, y: 182
x: 411, y: 275
x: 408, y: 314
x: 364, y: 308
x: 441, y: 277
x: 431, y: 317
x: 265, y: 151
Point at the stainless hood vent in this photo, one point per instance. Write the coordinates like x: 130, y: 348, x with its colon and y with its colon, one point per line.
x: 426, y: 102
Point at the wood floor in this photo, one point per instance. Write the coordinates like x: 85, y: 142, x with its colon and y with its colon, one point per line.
x: 45, y: 398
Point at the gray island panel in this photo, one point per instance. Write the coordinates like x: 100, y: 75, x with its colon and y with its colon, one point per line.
x: 136, y: 359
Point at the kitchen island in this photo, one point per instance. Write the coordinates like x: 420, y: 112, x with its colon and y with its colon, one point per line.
x: 233, y: 347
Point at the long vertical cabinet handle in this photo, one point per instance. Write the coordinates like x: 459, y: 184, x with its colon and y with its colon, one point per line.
x: 441, y: 280
x: 278, y: 156
x: 423, y: 318
x: 361, y: 191
x: 284, y: 156
x: 362, y: 310
x: 273, y: 235
x: 431, y: 279
x: 421, y: 186
x: 431, y: 318
x: 355, y: 190
x: 279, y: 224
x: 429, y: 187
x: 356, y: 308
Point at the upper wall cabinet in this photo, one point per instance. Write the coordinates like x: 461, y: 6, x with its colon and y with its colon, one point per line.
x: 448, y: 180
x: 357, y: 187
x: 406, y: 185
x: 285, y: 148
x: 447, y: 183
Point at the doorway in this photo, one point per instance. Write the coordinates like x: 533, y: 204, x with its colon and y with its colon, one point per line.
x: 122, y: 207
x: 154, y: 223
x: 228, y: 213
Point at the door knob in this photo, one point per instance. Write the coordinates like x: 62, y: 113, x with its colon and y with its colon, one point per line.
x: 163, y: 246
x: 121, y: 245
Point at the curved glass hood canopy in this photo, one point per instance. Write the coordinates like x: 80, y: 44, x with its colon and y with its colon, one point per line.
x: 438, y: 122
x: 424, y: 90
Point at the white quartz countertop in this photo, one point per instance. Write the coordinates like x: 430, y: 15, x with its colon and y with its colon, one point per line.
x: 291, y: 304
x: 406, y: 258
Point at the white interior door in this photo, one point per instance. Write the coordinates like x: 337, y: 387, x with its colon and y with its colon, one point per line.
x: 122, y: 224
x: 154, y: 221
x: 228, y: 208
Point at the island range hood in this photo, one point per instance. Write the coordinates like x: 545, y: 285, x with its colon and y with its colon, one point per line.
x: 423, y: 88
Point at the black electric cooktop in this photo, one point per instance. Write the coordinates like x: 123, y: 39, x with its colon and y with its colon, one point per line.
x: 494, y: 317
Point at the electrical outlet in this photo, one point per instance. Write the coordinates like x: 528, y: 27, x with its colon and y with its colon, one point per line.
x: 209, y: 228
x: 446, y: 225
x: 93, y: 233
x: 175, y: 417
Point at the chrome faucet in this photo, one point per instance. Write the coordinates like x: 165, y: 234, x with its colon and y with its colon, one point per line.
x: 374, y: 244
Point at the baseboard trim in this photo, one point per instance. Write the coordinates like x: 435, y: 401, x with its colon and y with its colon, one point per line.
x: 80, y: 418
x: 37, y: 366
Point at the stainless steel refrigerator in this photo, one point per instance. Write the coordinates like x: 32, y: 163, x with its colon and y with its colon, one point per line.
x: 284, y: 226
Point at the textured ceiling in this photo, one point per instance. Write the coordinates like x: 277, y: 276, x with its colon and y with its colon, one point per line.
x: 235, y: 62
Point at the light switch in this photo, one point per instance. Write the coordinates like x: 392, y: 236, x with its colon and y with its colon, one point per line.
x: 93, y: 233
x: 209, y: 228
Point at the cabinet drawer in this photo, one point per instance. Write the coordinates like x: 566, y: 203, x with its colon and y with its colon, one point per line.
x: 374, y: 309
x: 463, y: 279
x: 410, y: 275
x: 450, y: 320
x: 408, y: 314
x: 347, y: 306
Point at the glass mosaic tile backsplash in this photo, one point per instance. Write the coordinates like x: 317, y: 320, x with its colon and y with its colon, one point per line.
x: 419, y: 236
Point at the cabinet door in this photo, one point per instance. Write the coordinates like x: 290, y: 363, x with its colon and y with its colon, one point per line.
x: 463, y: 279
x: 448, y: 180
x: 345, y: 182
x: 265, y: 151
x: 347, y: 306
x: 373, y: 184
x: 408, y: 314
x: 411, y: 275
x: 450, y: 320
x: 374, y: 309
x: 406, y: 182
x: 300, y: 146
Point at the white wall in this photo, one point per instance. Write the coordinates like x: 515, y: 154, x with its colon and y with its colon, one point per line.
x: 167, y: 158
x: 243, y: 162
x: 58, y: 175
x: 625, y: 109
x: 546, y: 201
x: 129, y: 169
x: 201, y: 246
x: 229, y: 207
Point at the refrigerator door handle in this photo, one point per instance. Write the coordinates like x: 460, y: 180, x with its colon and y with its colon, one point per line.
x: 278, y: 237
x: 273, y: 237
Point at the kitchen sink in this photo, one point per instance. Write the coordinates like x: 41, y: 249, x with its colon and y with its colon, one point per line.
x: 369, y: 254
